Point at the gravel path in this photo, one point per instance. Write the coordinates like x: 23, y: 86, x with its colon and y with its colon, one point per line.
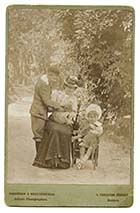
x: 114, y: 161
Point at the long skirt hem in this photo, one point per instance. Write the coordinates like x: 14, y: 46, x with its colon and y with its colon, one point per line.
x: 50, y: 164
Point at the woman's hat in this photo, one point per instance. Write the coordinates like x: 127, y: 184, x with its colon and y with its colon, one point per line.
x: 71, y: 81
x: 53, y: 69
x: 96, y: 108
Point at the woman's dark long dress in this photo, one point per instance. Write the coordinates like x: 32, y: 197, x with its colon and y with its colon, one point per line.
x: 54, y: 150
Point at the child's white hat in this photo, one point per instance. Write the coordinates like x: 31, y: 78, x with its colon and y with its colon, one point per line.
x: 94, y: 107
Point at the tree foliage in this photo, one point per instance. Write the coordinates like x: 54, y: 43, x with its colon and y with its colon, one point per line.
x: 96, y: 45
x: 103, y: 49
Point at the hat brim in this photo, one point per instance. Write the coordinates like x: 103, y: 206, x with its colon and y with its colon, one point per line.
x: 74, y: 86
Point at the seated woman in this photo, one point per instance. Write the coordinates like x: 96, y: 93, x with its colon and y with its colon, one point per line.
x: 54, y: 151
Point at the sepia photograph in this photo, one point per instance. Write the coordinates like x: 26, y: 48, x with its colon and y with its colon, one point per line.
x: 69, y: 95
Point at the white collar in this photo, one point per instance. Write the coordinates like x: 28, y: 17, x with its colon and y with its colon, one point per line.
x: 45, y: 79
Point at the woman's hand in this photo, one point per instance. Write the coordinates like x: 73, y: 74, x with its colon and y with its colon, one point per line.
x: 68, y: 108
x: 75, y: 132
x: 77, y: 137
x: 60, y: 109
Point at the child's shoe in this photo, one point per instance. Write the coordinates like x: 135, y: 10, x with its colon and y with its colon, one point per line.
x: 80, y: 164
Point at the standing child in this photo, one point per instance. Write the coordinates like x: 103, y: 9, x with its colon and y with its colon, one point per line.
x: 90, y: 130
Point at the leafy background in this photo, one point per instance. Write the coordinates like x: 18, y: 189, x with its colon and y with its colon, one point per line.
x: 96, y: 45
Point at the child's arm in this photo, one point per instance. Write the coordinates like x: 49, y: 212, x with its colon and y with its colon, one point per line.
x: 84, y: 131
x: 98, y: 130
